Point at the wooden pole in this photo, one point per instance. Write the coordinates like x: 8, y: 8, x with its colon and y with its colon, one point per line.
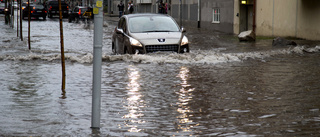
x: 29, y: 12
x: 20, y: 10
x: 63, y: 87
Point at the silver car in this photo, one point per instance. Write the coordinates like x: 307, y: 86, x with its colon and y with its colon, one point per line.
x: 147, y: 33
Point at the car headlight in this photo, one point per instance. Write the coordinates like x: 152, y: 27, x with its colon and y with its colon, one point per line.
x: 184, y: 41
x: 135, y: 42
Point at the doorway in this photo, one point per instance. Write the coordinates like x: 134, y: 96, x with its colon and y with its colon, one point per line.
x: 246, y: 15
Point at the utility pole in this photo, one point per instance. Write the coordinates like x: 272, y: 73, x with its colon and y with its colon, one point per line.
x: 97, y: 60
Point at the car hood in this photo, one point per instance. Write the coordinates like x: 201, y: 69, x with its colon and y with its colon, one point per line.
x: 158, y: 38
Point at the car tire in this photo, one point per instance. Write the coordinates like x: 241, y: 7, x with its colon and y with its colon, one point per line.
x: 128, y: 51
x: 116, y: 47
x: 125, y: 50
x: 185, y: 50
x: 44, y: 17
x: 113, y: 48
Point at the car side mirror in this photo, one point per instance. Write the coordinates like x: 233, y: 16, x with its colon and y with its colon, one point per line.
x: 119, y: 31
x: 183, y: 30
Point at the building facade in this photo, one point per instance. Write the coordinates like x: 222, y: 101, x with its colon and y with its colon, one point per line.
x: 215, y: 15
x: 284, y: 18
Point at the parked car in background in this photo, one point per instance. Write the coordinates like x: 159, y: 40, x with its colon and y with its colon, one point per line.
x: 2, y: 7
x: 52, y: 7
x: 80, y: 13
x: 147, y: 33
x: 25, y: 4
x: 35, y: 11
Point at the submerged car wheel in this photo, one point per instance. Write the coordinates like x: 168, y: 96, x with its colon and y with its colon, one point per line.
x: 185, y: 50
x: 126, y: 51
x: 113, y: 48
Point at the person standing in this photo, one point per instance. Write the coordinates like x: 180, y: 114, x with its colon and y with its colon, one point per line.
x: 130, y: 7
x: 160, y: 7
x: 121, y: 8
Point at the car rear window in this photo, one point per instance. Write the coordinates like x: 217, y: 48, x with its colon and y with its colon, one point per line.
x: 83, y: 10
x: 39, y: 6
x: 141, y: 24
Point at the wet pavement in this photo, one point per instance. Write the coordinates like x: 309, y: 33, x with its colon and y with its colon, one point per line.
x: 221, y: 88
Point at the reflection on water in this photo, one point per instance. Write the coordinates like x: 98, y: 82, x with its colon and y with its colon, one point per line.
x: 134, y: 101
x: 185, y: 96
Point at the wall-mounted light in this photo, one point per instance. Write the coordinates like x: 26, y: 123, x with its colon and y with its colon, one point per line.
x: 243, y: 1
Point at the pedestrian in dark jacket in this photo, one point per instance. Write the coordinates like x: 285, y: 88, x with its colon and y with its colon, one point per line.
x: 121, y: 8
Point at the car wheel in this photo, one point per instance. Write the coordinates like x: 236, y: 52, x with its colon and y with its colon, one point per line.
x: 185, y: 50
x: 126, y: 50
x: 44, y: 17
x: 113, y: 48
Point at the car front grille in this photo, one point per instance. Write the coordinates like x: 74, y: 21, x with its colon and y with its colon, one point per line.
x: 155, y: 48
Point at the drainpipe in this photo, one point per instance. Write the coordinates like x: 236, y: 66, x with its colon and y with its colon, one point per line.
x: 254, y: 16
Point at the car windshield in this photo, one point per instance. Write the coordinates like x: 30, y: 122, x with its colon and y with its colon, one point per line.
x: 142, y: 24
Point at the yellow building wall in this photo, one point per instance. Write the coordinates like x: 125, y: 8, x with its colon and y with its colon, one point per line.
x: 308, y: 19
x: 276, y: 18
x: 288, y: 18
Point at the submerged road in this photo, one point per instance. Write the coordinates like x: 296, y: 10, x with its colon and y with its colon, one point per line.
x: 221, y: 88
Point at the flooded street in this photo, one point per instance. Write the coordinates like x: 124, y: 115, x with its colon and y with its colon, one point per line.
x: 221, y: 88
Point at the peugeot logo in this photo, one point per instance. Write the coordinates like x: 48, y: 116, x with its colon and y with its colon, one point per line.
x: 162, y: 40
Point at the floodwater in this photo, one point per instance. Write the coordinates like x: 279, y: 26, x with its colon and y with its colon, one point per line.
x: 221, y: 88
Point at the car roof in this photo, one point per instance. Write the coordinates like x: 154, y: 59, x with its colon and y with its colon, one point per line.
x: 145, y: 14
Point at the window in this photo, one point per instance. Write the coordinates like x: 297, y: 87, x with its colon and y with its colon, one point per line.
x: 216, y: 16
